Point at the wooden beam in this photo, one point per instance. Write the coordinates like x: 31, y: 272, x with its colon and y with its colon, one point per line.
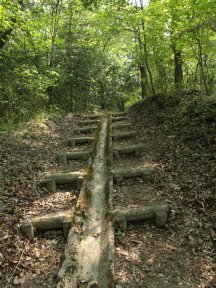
x: 51, y: 180
x: 120, y: 118
x: 89, y: 122
x: 93, y: 116
x: 158, y: 213
x: 121, y: 125
x: 85, y: 130
x: 119, y: 114
x: 53, y: 221
x: 126, y: 150
x: 65, y: 157
x: 73, y: 141
x: 123, y: 135
x: 145, y: 173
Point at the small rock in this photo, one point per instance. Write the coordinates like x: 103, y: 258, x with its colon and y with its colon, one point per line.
x: 150, y: 261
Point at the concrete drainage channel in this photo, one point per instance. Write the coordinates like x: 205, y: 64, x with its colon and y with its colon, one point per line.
x: 89, y: 227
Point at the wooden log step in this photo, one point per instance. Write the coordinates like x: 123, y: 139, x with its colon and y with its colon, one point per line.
x: 59, y: 220
x: 123, y: 135
x: 126, y: 150
x: 85, y: 130
x: 145, y: 173
x: 73, y: 141
x: 118, y: 114
x: 93, y: 117
x: 158, y: 213
x: 81, y: 155
x: 89, y: 122
x: 51, y: 180
x: 121, y: 125
x: 120, y: 118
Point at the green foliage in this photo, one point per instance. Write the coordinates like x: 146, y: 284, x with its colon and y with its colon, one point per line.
x: 66, y: 55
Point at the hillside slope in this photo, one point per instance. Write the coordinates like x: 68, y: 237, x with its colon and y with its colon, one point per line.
x: 180, y: 141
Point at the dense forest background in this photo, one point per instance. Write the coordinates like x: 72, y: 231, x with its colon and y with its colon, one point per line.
x: 70, y: 55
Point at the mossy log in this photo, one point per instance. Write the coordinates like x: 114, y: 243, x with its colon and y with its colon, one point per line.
x: 126, y: 150
x: 89, y: 249
x: 60, y: 220
x: 120, y: 118
x: 123, y: 135
x: 89, y: 122
x: 73, y: 141
x: 64, y: 157
x: 158, y: 213
x: 51, y: 180
x: 121, y: 125
x: 85, y: 130
x: 145, y: 173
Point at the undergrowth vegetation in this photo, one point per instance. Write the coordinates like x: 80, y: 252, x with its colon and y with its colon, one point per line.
x: 190, y: 116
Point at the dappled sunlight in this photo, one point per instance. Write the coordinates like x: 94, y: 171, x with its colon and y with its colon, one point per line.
x: 130, y: 256
x: 53, y: 202
x: 155, y: 159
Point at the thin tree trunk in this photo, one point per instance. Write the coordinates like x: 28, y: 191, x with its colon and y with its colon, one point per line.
x: 147, y: 65
x: 178, y: 71
x: 200, y: 61
x: 146, y: 52
x: 143, y: 81
x: 55, y: 18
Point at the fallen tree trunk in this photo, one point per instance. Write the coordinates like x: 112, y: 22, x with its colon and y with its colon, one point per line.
x: 89, y: 249
x: 64, y: 157
x: 51, y: 180
x: 89, y: 122
x: 158, y: 213
x: 72, y: 142
x: 121, y: 125
x: 85, y: 130
x: 124, y: 135
x: 120, y: 118
x: 145, y: 173
x: 59, y: 220
x: 132, y: 149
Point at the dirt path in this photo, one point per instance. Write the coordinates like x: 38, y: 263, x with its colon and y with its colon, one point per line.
x: 179, y: 255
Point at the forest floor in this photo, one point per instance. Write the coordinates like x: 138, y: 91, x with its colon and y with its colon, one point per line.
x: 181, y: 255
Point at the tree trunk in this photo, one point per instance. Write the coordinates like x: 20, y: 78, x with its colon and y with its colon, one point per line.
x: 143, y: 81
x: 178, y: 71
x: 200, y: 62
